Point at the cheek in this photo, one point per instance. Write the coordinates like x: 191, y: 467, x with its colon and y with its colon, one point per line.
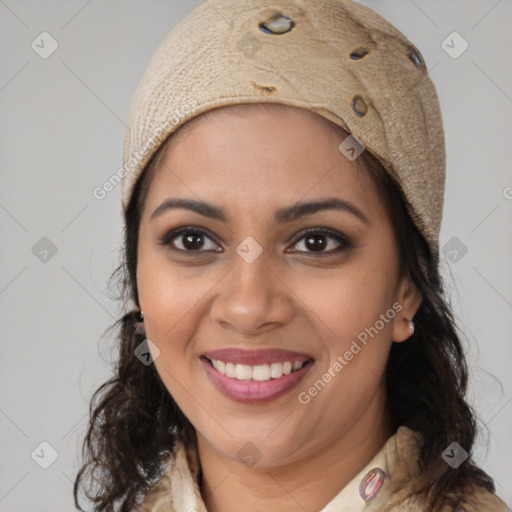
x: 172, y: 307
x: 350, y: 300
x: 345, y: 310
x: 170, y: 325
x: 346, y: 307
x: 167, y: 293
x: 175, y: 302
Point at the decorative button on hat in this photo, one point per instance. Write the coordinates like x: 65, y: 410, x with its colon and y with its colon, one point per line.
x: 371, y: 484
x: 359, y: 105
x: 278, y: 24
x: 337, y: 58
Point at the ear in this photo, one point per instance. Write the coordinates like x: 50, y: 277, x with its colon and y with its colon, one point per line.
x: 410, y: 299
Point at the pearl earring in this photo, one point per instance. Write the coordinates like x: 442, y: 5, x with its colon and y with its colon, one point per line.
x: 411, y: 326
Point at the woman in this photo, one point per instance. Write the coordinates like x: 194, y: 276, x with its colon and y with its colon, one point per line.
x: 290, y: 347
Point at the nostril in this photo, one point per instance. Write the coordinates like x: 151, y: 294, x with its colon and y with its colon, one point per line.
x: 358, y: 53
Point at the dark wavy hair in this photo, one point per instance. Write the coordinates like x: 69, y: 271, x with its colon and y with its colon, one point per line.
x: 135, y: 423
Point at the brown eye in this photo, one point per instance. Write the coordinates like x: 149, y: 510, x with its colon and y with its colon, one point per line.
x: 316, y: 241
x: 193, y: 241
x: 189, y: 239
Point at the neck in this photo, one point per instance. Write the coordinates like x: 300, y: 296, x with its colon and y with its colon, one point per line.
x: 308, y: 484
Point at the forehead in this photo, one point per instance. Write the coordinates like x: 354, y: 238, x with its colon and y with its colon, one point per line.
x: 257, y: 154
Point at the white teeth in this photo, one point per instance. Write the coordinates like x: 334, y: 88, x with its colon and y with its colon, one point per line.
x: 276, y: 370
x: 259, y: 372
x: 219, y: 366
x: 243, y: 372
x: 230, y: 370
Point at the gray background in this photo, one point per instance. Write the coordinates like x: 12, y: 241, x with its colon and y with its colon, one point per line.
x: 62, y: 127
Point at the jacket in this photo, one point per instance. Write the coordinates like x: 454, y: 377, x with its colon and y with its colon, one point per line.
x: 369, y: 491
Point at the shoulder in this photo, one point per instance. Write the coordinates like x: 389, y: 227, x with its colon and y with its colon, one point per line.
x: 401, y: 453
x: 474, y: 500
x: 481, y: 499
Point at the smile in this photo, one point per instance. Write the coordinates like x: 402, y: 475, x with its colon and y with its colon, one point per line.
x: 256, y: 375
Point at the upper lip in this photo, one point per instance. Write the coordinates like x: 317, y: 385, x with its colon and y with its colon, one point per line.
x: 256, y: 356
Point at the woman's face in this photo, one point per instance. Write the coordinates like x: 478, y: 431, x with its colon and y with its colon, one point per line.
x: 256, y: 274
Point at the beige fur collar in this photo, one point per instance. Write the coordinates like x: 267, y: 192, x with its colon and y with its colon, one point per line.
x: 385, y: 479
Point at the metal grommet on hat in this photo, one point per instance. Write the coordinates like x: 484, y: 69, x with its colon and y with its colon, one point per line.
x: 278, y: 24
x: 359, y: 106
x: 358, y: 53
x: 370, y: 485
x: 416, y: 58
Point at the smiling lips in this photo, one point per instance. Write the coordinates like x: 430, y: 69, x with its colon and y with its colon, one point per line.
x: 255, y: 375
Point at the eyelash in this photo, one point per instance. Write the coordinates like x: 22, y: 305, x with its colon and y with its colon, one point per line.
x: 344, y: 242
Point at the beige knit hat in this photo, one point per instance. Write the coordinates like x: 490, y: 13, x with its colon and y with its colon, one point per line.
x: 337, y: 58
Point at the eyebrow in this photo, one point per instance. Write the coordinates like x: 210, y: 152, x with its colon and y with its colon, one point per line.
x: 281, y: 216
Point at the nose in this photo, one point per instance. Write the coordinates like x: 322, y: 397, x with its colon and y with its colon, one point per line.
x: 252, y: 298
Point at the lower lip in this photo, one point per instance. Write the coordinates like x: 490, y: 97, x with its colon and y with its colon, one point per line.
x: 254, y: 391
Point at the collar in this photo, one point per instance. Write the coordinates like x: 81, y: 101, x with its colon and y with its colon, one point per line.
x: 394, y: 464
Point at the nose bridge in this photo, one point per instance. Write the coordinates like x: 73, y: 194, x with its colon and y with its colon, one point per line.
x: 251, y: 271
x: 251, y: 295
x: 250, y: 284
